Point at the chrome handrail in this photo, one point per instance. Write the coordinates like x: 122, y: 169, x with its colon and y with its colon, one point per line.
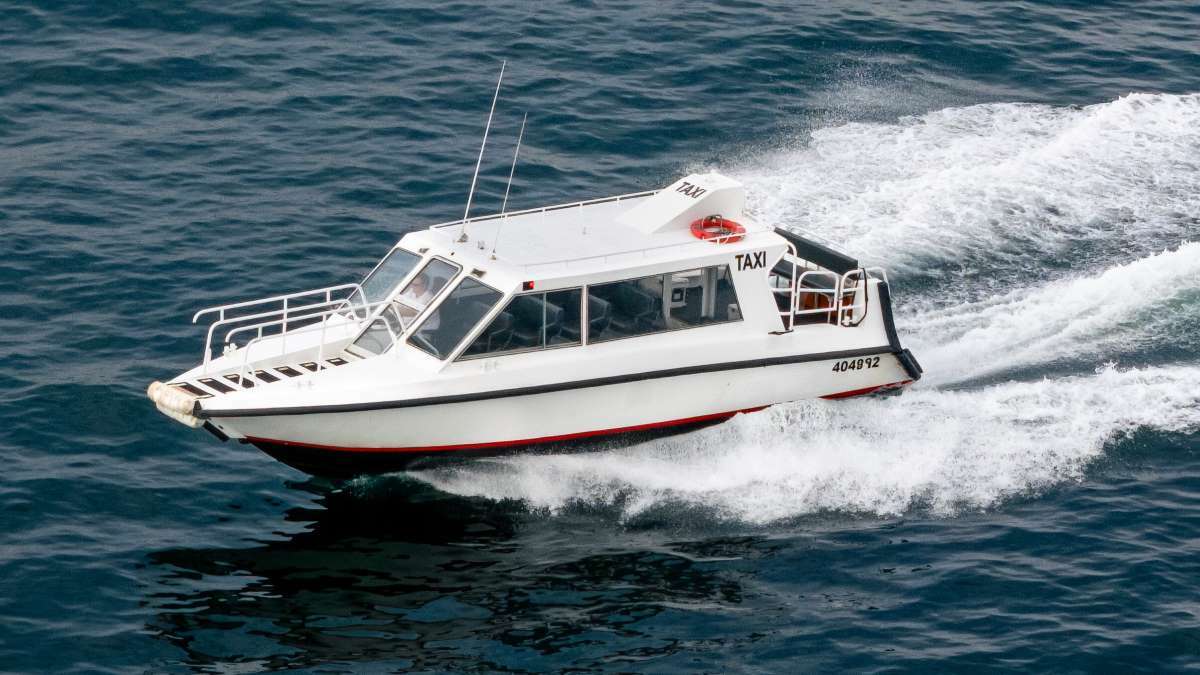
x: 294, y: 319
x: 843, y: 285
x: 221, y: 309
x: 323, y: 325
x: 862, y: 277
x: 335, y: 304
x: 287, y: 316
x: 835, y: 291
x: 285, y: 312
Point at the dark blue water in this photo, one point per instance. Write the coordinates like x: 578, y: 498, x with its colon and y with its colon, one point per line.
x: 1029, y: 174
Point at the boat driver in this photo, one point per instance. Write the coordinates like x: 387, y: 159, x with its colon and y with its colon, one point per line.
x: 418, y: 296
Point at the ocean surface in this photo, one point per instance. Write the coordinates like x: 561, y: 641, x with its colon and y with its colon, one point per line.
x: 1029, y: 173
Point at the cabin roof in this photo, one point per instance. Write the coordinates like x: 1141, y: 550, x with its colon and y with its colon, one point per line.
x: 604, y: 234
x: 551, y: 236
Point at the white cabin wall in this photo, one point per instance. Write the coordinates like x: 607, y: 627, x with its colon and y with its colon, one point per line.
x: 754, y: 293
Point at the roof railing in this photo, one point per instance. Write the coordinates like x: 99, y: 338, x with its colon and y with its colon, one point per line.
x: 545, y: 209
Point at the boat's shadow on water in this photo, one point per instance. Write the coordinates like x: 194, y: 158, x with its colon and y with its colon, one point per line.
x: 394, y: 573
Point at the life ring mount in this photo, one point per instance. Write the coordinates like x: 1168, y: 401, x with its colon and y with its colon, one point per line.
x: 717, y: 229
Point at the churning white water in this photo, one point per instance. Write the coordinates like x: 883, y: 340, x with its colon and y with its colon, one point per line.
x: 942, y: 449
x: 986, y: 186
x: 951, y: 194
x: 1125, y: 307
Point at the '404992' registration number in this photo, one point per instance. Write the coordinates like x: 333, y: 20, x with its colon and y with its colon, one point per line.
x: 856, y: 364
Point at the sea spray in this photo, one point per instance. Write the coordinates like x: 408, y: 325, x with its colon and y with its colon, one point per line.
x: 1124, y: 306
x: 996, y: 191
x: 1050, y: 233
x: 941, y: 450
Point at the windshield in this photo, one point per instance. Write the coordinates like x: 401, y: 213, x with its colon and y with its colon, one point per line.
x: 422, y: 288
x: 408, y: 303
x: 380, y: 282
x: 384, y: 330
x: 454, y: 318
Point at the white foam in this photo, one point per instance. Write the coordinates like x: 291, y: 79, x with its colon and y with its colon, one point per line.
x: 978, y: 187
x: 944, y: 450
x: 1125, y: 307
x: 983, y: 195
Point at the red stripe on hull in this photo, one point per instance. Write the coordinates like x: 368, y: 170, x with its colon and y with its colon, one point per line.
x: 867, y: 390
x: 506, y: 444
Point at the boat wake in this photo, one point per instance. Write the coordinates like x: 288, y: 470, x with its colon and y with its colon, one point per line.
x: 1148, y: 304
x: 978, y: 193
x: 1045, y: 236
x: 938, y: 450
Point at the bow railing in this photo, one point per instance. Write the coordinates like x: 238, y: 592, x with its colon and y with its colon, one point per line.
x: 292, y: 311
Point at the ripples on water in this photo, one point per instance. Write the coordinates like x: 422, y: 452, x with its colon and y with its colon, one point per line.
x: 1030, y: 175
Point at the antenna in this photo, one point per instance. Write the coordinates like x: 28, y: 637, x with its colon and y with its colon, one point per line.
x: 508, y: 187
x: 462, y: 236
x: 513, y: 170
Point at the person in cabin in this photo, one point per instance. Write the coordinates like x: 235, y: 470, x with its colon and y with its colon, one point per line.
x: 417, y: 296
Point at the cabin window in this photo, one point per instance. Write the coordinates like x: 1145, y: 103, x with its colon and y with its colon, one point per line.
x: 530, y: 322
x: 421, y: 289
x: 660, y: 303
x: 380, y: 282
x: 404, y: 308
x: 382, y: 332
x: 446, y: 326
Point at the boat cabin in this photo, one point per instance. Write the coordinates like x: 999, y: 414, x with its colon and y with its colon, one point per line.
x: 636, y: 277
x: 644, y: 311
x: 587, y: 273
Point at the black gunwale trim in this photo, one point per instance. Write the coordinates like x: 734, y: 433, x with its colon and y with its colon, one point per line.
x: 889, y: 323
x: 542, y: 388
x: 907, y: 360
x: 816, y: 252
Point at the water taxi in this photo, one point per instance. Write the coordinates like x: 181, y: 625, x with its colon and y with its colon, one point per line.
x: 662, y: 309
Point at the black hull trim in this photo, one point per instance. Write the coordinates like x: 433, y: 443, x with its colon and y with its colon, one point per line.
x: 906, y: 358
x: 550, y: 388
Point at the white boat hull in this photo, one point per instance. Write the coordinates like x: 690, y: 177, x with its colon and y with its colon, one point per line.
x: 355, y: 441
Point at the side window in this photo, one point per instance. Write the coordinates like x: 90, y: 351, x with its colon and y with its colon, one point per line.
x: 633, y: 307
x: 530, y: 322
x: 664, y: 302
x: 702, y: 297
x: 454, y: 317
x: 563, y: 319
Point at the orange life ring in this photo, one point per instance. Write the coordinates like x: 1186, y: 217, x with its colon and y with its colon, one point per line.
x: 718, y: 229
